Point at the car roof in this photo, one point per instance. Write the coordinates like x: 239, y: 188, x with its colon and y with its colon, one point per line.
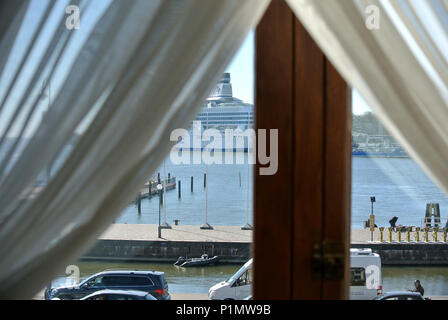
x: 134, y: 272
x: 125, y: 292
x: 401, y: 293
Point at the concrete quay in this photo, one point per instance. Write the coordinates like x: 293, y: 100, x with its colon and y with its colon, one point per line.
x: 403, y: 252
x: 139, y: 242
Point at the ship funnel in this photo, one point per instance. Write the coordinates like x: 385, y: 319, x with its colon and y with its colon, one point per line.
x: 224, y: 88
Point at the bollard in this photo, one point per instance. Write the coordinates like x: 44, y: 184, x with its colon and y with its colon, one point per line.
x: 381, y: 233
x: 390, y: 233
x: 426, y: 234
x: 408, y: 234
x: 435, y: 230
x: 436, y: 215
x: 179, y: 195
x: 205, y: 180
x: 444, y: 234
x: 191, y: 184
x: 417, y: 234
x: 176, y: 222
x: 399, y: 235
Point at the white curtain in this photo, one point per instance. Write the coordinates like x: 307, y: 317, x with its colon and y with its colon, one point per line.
x: 11, y: 17
x: 400, y: 68
x: 115, y: 88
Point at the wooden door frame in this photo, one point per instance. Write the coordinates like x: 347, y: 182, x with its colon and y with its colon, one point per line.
x: 301, y: 213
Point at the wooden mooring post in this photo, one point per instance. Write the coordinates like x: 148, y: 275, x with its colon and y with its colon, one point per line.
x: 179, y: 194
x: 139, y: 203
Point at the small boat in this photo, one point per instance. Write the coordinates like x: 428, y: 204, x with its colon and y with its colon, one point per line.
x: 204, y: 260
x: 180, y: 260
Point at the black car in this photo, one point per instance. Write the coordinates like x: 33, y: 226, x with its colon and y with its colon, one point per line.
x: 400, y: 295
x: 152, y: 282
x: 108, y: 294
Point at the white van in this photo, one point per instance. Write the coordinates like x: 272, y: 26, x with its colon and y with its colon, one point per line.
x: 365, y: 274
x: 237, y: 287
x: 365, y: 279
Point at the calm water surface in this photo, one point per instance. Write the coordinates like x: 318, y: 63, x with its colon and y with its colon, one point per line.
x: 401, y: 188
x: 433, y: 279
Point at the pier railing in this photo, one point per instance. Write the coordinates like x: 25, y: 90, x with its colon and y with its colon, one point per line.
x: 407, y: 235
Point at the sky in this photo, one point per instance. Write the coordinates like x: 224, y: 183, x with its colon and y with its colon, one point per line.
x: 242, y: 73
x: 91, y: 11
x: 241, y: 67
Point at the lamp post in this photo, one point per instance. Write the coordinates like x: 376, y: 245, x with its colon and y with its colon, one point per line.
x: 159, y: 189
x: 165, y: 224
x: 206, y: 225
x: 247, y: 226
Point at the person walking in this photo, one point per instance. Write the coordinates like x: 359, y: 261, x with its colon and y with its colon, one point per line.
x: 418, y: 287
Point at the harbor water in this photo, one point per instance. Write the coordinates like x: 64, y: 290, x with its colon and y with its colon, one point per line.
x: 401, y: 189
x: 399, y: 185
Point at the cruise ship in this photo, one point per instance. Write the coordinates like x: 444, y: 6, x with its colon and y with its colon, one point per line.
x: 221, y: 110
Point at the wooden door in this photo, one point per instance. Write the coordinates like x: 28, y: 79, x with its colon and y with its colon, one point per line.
x: 302, y: 213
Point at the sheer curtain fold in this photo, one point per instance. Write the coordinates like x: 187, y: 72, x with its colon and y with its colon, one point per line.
x: 11, y: 17
x: 144, y: 70
x: 400, y: 68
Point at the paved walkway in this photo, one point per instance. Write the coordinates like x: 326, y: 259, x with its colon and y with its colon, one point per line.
x: 229, y: 234
x: 177, y: 233
x: 188, y: 296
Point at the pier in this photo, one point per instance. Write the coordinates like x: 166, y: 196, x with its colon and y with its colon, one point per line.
x: 150, y: 188
x: 139, y: 242
x: 404, y: 248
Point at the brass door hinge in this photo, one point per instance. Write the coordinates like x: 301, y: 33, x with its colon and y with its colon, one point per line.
x: 328, y: 260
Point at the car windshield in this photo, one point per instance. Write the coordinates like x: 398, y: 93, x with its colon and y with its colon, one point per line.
x: 236, y: 275
x: 91, y: 280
